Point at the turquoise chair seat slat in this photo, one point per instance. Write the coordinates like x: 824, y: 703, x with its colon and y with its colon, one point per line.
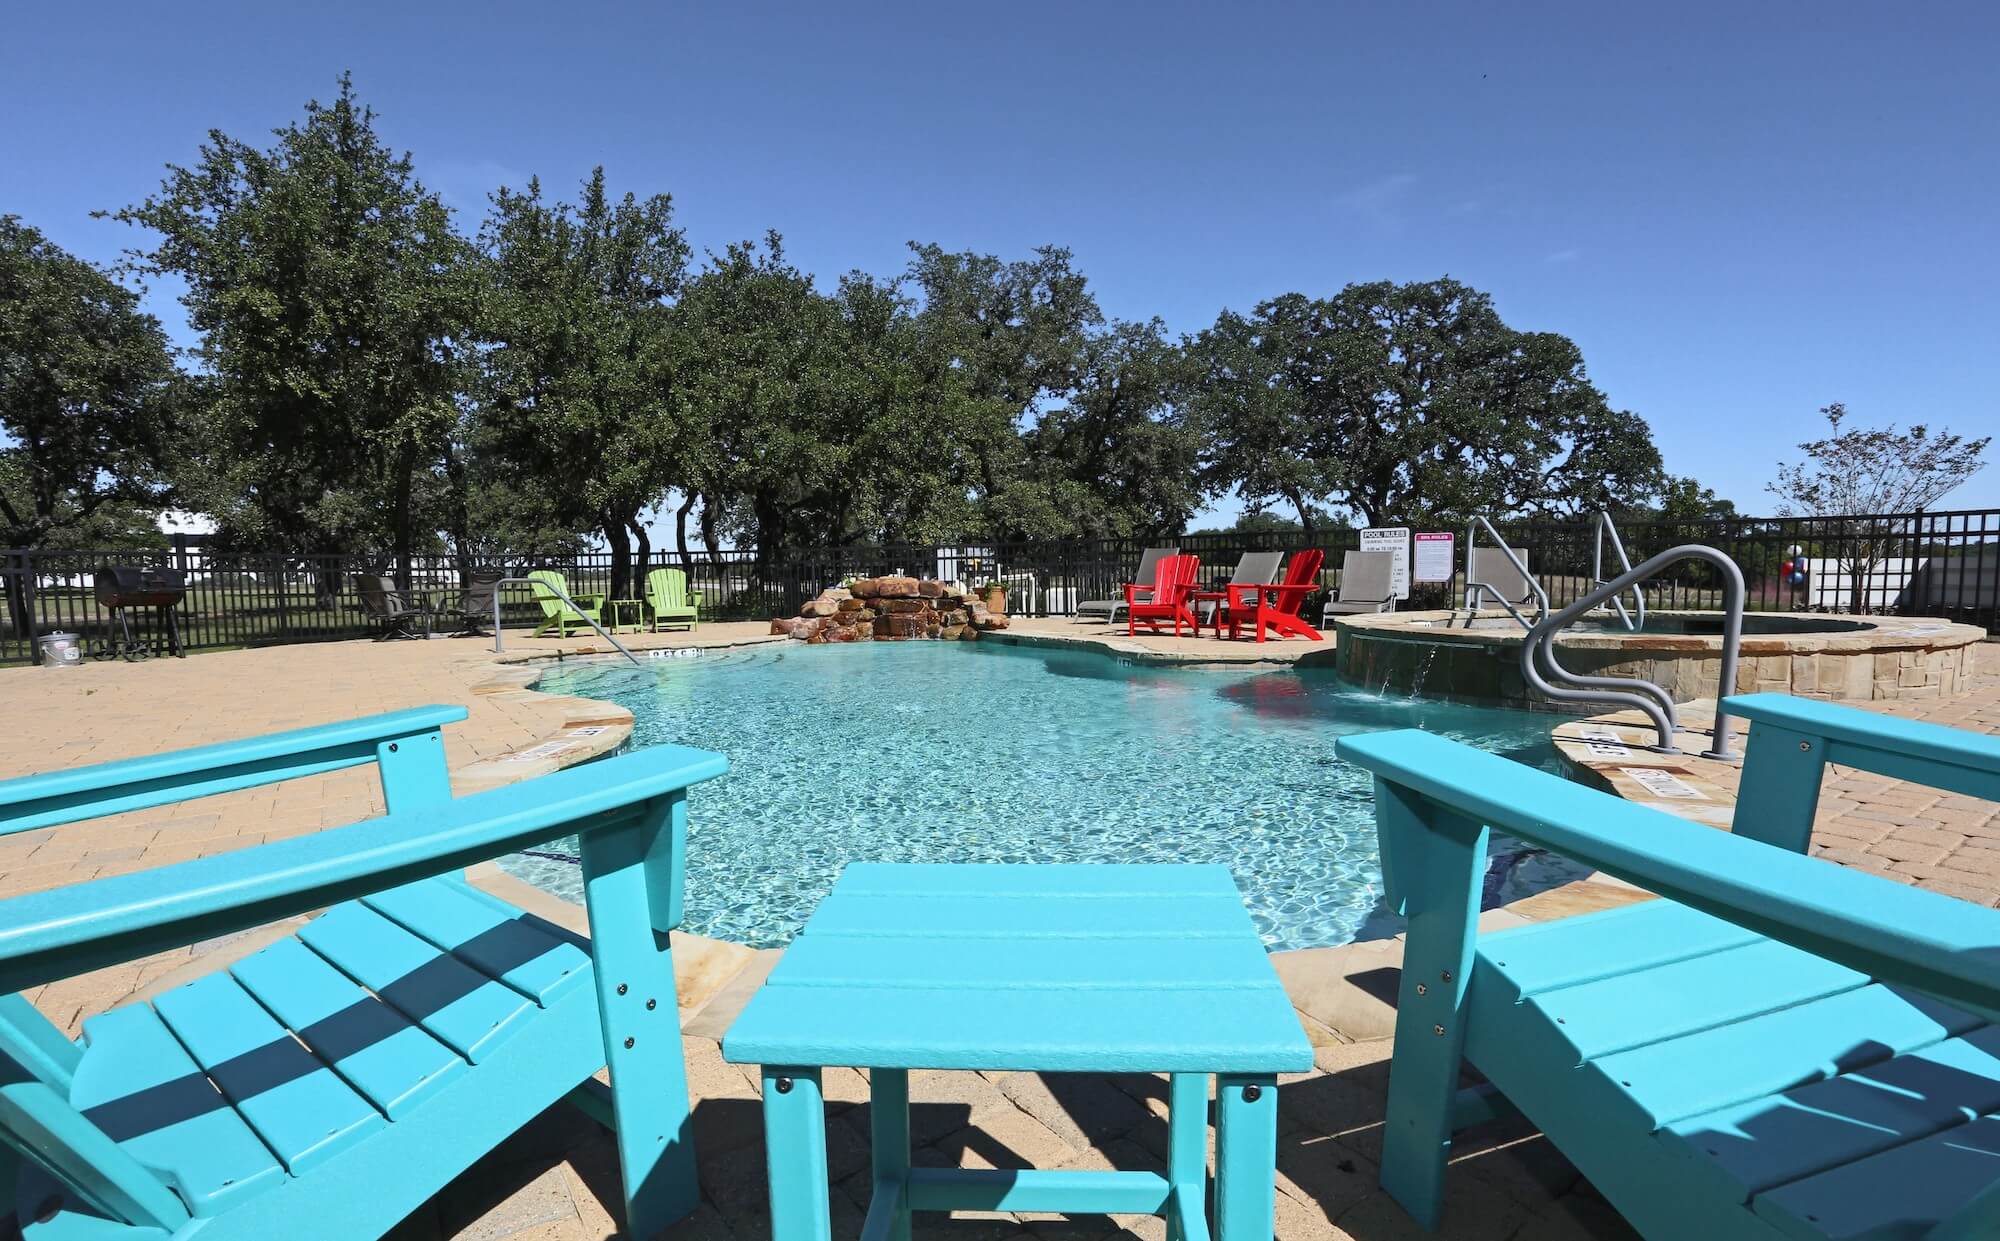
x: 300, y: 1107
x: 488, y: 935
x: 1753, y: 1056
x: 459, y: 1006
x: 326, y: 1085
x: 374, y: 1048
x: 139, y: 1085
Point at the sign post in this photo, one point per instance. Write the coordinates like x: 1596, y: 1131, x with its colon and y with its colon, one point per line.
x: 1434, y: 559
x: 1396, y: 540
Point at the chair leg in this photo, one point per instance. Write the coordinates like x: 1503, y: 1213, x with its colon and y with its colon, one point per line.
x: 634, y: 970
x: 1187, y: 1143
x: 889, y: 1143
x: 1246, y: 1157
x: 795, y: 1154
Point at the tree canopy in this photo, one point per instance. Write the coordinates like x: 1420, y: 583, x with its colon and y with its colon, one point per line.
x: 368, y: 376
x: 1411, y: 403
x: 87, y: 400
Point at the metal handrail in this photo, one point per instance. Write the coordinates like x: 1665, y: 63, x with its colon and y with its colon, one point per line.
x: 1538, y: 652
x: 1473, y: 588
x: 1605, y: 527
x: 562, y: 595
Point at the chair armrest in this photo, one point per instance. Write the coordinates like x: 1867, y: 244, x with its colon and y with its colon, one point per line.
x: 100, y: 789
x: 66, y: 931
x: 1936, y: 944
x: 589, y: 600
x: 1795, y: 738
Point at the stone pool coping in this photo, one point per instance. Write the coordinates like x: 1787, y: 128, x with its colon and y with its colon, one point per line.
x: 1882, y: 634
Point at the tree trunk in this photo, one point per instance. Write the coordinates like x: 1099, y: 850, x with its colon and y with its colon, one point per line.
x: 460, y: 515
x: 404, y: 532
x: 621, y: 555
x: 20, y: 584
x: 645, y: 541
x: 681, y: 535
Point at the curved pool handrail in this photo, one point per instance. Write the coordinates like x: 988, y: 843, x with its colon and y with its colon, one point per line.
x: 1605, y: 527
x: 1538, y: 651
x: 1473, y: 587
x: 544, y: 584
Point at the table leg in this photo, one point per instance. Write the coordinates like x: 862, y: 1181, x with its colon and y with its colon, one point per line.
x: 795, y: 1150
x: 1246, y: 1157
x: 889, y: 1143
x: 1187, y: 1146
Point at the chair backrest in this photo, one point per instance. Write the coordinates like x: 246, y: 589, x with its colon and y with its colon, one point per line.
x: 1257, y: 568
x: 1303, y: 571
x: 667, y: 588
x: 1490, y: 567
x: 374, y: 590
x: 544, y: 580
x: 1174, y: 577
x: 1149, y: 562
x: 477, y: 598
x: 1365, y: 577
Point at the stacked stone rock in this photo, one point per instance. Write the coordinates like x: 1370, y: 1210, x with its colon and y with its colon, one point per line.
x: 891, y: 609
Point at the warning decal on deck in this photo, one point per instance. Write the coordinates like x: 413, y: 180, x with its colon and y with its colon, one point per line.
x: 1662, y: 784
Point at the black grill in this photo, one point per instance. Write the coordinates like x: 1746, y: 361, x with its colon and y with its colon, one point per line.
x: 139, y: 586
x: 122, y: 587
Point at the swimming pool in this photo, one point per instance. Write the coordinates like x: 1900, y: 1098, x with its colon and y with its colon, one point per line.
x: 991, y: 752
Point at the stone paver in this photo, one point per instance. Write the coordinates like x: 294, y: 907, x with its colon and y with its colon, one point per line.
x: 557, y: 1178
x: 1916, y: 835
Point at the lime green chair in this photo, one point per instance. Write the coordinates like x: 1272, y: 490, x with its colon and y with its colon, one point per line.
x: 670, y: 601
x: 550, y: 587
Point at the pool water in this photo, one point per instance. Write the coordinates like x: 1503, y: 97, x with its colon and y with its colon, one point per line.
x: 991, y: 752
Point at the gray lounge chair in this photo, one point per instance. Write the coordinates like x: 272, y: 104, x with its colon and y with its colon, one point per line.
x: 1252, y: 569
x: 1110, y: 608
x: 395, y: 614
x: 1365, y: 579
x: 1492, y: 573
x: 472, y: 611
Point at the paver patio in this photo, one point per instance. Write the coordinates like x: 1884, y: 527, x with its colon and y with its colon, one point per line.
x: 554, y: 1179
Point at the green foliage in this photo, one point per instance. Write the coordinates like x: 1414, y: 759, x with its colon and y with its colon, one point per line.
x: 88, y: 401
x: 1875, y: 470
x: 1412, y: 403
x: 579, y: 424
x: 329, y: 290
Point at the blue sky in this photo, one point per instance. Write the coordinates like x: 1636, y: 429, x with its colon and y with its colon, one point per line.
x: 1740, y: 212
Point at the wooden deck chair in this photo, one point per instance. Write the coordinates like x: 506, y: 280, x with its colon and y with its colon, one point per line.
x: 1781, y: 1048
x: 670, y: 602
x: 558, y: 615
x: 1149, y: 563
x: 1275, y: 608
x: 330, y: 1084
x: 1167, y: 597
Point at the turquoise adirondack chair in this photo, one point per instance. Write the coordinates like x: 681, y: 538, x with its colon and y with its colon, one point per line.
x: 549, y: 587
x: 1780, y: 1048
x: 328, y: 1085
x: 670, y: 601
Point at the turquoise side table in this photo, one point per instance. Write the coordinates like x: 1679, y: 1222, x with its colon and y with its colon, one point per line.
x: 1105, y: 969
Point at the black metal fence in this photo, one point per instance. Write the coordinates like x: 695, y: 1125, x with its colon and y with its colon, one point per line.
x: 1930, y: 564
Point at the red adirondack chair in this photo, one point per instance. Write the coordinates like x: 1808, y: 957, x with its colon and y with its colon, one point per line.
x: 1173, y: 584
x: 1275, y: 607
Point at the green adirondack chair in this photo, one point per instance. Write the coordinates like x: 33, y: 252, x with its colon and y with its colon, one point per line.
x: 1780, y: 1048
x: 549, y: 588
x: 329, y: 1084
x: 670, y: 601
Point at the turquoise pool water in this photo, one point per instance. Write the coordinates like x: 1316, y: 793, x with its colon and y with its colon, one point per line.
x: 989, y: 752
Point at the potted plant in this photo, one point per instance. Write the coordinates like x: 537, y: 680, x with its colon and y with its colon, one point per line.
x: 994, y: 595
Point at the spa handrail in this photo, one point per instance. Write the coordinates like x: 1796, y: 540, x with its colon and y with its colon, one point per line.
x: 1474, y: 587
x: 1537, y: 652
x: 1605, y: 527
x: 544, y: 584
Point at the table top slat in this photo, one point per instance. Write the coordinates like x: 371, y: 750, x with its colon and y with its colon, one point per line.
x: 1142, y: 968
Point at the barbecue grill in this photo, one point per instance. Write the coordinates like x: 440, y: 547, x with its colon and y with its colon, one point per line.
x: 120, y: 588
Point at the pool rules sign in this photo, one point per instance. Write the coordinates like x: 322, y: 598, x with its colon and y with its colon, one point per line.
x: 1396, y: 540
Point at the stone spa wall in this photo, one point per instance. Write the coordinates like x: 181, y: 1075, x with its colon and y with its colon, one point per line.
x: 894, y: 609
x: 1432, y: 655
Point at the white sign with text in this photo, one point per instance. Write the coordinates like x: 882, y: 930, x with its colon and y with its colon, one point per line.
x: 1433, y: 561
x: 1395, y: 539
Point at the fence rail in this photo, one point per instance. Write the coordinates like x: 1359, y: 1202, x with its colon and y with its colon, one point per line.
x: 1930, y: 564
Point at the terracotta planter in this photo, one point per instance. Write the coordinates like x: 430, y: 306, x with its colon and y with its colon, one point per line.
x: 996, y: 600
